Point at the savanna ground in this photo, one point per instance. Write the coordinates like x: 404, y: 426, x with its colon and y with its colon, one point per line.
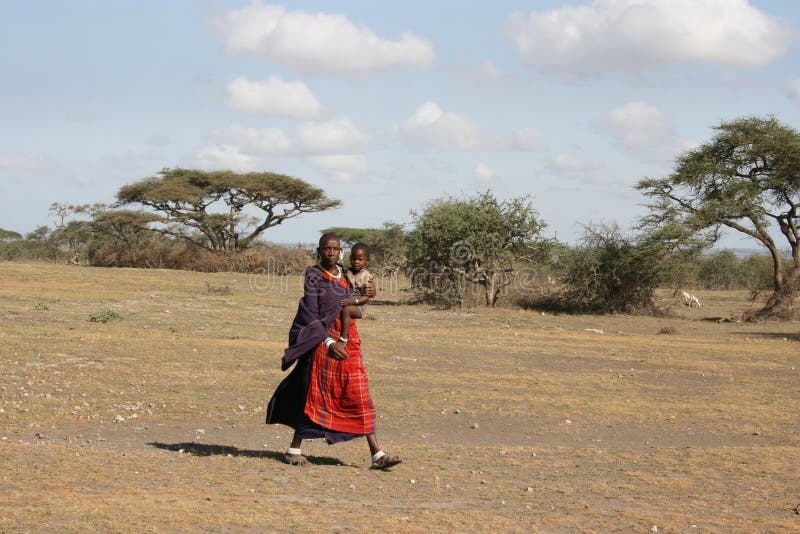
x: 507, y: 420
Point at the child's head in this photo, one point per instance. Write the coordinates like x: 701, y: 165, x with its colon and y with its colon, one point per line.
x: 359, y: 257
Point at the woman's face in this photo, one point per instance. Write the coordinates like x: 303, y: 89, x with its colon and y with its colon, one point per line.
x: 329, y: 252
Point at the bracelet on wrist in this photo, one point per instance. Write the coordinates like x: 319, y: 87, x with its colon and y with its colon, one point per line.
x: 343, y: 339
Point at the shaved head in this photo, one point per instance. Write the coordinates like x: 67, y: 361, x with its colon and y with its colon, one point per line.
x: 326, y: 237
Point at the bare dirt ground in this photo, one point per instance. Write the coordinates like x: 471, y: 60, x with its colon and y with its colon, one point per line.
x: 507, y: 420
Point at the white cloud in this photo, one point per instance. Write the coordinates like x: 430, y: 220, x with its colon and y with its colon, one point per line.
x: 431, y: 126
x: 337, y: 136
x: 332, y: 146
x: 638, y: 125
x: 267, y: 141
x: 26, y: 163
x: 273, y: 96
x: 333, y: 136
x: 569, y: 164
x: 645, y: 129
x: 794, y: 89
x: 219, y: 157
x: 317, y: 42
x: 344, y: 167
x: 639, y: 34
x: 483, y: 172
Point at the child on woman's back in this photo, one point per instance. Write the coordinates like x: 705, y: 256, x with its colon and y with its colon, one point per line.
x: 358, y: 276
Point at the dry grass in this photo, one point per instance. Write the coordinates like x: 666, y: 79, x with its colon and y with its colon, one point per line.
x: 577, y: 430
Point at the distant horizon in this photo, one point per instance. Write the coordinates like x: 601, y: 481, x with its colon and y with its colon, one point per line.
x: 740, y: 252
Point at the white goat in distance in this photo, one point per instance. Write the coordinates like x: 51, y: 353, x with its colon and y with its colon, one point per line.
x: 690, y: 300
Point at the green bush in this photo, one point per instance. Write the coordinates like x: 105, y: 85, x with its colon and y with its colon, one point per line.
x: 462, y: 248
x: 29, y: 250
x: 105, y: 317
x: 725, y: 271
x: 610, y: 273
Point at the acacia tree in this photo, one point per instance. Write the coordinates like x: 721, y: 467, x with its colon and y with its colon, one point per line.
x: 72, y: 236
x: 124, y: 227
x: 746, y: 178
x: 9, y: 235
x: 477, y: 240
x: 207, y: 208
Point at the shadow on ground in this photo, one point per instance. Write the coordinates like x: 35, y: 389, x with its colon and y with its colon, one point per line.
x: 775, y: 335
x: 203, y: 449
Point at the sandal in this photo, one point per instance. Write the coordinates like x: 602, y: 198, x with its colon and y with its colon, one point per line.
x: 385, y: 462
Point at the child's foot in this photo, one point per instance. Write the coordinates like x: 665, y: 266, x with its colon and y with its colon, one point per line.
x: 385, y: 462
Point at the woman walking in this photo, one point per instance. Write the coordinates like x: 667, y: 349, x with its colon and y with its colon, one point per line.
x: 326, y: 395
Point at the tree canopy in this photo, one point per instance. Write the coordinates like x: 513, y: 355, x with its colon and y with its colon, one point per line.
x: 9, y: 235
x: 208, y: 208
x: 476, y: 240
x: 746, y: 178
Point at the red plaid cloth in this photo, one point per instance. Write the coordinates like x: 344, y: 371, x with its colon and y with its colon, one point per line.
x: 338, y: 392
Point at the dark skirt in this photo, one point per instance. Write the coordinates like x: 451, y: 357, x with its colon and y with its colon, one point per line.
x: 287, y: 405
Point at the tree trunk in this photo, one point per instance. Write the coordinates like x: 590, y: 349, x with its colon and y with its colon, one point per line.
x: 780, y: 304
x: 489, y: 290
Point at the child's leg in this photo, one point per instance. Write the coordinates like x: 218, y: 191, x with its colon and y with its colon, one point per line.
x: 348, y: 314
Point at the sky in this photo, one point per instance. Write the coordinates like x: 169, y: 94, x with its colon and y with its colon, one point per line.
x: 384, y: 105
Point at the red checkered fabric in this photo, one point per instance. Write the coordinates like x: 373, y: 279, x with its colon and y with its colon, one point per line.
x: 338, y: 392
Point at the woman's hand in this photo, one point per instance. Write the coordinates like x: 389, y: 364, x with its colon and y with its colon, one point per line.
x: 349, y: 301
x: 337, y: 351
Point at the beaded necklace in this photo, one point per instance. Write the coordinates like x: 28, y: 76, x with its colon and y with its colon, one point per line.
x: 334, y: 276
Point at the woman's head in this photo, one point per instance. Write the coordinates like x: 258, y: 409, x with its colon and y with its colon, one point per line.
x: 329, y: 250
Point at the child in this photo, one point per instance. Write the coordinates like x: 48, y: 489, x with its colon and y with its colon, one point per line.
x: 358, y: 276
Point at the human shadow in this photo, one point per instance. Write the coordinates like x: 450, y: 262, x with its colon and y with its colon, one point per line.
x: 204, y: 449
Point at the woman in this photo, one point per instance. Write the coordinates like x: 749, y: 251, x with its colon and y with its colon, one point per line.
x: 327, y: 393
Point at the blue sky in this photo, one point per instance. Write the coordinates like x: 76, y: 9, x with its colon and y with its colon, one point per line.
x: 384, y: 105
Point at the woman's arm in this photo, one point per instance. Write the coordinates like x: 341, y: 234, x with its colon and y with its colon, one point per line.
x: 310, y: 326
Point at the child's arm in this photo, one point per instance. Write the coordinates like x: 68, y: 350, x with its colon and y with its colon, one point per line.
x: 368, y: 292
x: 358, y: 300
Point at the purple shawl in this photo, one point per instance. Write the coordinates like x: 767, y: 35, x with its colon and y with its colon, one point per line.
x: 318, y: 309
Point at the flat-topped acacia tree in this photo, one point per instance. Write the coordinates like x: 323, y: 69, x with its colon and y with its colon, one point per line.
x: 746, y: 178
x: 9, y: 235
x: 208, y: 208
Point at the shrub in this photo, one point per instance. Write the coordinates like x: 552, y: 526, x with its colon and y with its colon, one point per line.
x: 476, y: 243
x: 722, y: 270
x: 168, y: 253
x: 610, y: 273
x: 105, y: 317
